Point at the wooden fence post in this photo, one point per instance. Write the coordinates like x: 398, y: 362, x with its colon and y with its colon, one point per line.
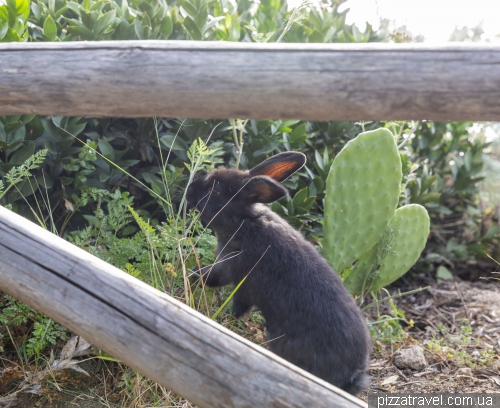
x: 148, y: 330
x: 247, y: 80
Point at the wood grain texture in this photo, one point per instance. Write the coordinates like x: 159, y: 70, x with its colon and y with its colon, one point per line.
x: 247, y: 80
x: 155, y: 334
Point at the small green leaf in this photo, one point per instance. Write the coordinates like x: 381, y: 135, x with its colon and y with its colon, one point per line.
x: 298, y: 135
x: 319, y: 160
x: 104, y: 21
x: 190, y: 8
x: 81, y: 31
x: 161, y: 13
x: 124, y: 8
x: 146, y: 21
x: 414, y: 189
x: 106, y: 149
x: 428, y: 182
x: 74, y: 7
x: 36, y: 10
x: 51, y: 147
x: 139, y: 31
x: 166, y: 27
x: 76, y: 128
x: 358, y: 37
x: 174, y: 143
x: 50, y: 28
x: 123, y: 31
x: 443, y: 273
x: 4, y: 14
x: 308, y: 203
x: 18, y: 135
x: 211, y: 23
x: 22, y: 154
x: 7, y: 14
x: 300, y: 198
x: 201, y: 18
x: 20, y: 7
x: 427, y: 198
x: 236, y: 32
x: 268, y: 148
x: 3, y: 30
x: 278, y: 208
x: 11, y: 36
x: 192, y: 28
x: 94, y: 220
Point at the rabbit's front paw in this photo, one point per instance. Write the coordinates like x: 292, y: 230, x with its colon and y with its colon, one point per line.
x: 241, y: 310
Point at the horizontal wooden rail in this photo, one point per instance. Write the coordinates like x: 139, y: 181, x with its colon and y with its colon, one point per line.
x: 248, y: 80
x: 160, y: 337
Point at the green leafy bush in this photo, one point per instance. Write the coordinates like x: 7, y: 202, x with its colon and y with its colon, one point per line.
x: 445, y: 164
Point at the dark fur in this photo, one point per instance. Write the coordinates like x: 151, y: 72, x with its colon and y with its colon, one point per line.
x: 311, y: 320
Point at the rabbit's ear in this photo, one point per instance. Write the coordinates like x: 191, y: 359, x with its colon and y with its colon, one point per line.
x: 262, y: 189
x: 281, y: 166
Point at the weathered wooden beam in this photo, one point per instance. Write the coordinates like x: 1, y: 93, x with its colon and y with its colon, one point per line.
x: 247, y: 80
x: 150, y: 331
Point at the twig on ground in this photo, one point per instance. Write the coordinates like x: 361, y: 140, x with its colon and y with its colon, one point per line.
x: 467, y: 313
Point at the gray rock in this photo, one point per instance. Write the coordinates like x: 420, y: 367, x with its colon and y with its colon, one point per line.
x: 410, y: 357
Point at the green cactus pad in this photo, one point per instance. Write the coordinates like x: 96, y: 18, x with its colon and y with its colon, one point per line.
x: 361, y: 196
x: 397, y: 250
x: 410, y: 227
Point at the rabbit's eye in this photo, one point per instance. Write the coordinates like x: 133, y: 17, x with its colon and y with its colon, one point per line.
x: 214, y: 192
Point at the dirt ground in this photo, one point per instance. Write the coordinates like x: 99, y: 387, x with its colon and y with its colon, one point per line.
x: 457, y: 324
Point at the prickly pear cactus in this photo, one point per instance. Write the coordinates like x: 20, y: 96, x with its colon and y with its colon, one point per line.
x: 399, y: 248
x: 362, y: 193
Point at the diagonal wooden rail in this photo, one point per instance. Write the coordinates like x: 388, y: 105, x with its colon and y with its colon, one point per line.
x: 148, y: 330
x: 248, y: 80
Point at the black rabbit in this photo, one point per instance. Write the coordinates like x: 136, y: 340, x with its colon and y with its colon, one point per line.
x: 311, y: 320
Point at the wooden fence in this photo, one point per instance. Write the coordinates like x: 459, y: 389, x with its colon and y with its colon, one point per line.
x: 248, y: 80
x: 146, y: 329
